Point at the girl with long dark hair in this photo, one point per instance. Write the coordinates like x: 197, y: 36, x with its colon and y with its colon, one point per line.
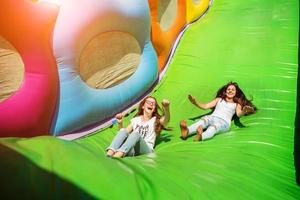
x: 230, y: 100
x: 140, y: 135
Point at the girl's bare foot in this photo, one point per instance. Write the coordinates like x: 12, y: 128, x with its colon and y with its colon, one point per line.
x: 119, y: 154
x: 184, y: 129
x: 198, y: 136
x: 110, y: 153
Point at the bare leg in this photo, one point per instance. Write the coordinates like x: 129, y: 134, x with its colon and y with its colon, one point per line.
x: 198, y: 136
x: 119, y: 154
x: 110, y: 153
x: 184, y: 129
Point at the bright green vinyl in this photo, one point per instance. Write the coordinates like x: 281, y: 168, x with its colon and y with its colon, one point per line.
x: 254, y: 43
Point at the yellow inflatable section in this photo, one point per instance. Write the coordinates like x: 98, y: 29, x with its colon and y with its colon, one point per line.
x: 195, y: 8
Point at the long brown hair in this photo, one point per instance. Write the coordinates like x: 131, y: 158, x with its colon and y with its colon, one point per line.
x: 239, y: 97
x: 156, y: 113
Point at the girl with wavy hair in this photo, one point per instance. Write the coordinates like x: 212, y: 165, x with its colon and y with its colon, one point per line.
x: 230, y: 100
x: 140, y: 135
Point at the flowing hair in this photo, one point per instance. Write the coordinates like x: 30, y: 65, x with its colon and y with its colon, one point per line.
x: 239, y: 97
x: 156, y: 113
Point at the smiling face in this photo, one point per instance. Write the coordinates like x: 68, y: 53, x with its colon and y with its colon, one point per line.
x: 149, y: 106
x: 230, y: 92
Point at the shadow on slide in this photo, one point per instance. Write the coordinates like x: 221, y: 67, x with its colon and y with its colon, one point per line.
x: 23, y: 179
x: 254, y: 43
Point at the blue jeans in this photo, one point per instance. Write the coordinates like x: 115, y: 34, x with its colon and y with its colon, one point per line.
x: 131, y: 144
x: 213, y: 124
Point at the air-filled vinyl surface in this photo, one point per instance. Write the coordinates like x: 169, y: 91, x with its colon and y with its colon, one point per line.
x: 252, y: 42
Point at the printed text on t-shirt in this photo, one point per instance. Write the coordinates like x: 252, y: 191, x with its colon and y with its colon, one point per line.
x: 143, y: 130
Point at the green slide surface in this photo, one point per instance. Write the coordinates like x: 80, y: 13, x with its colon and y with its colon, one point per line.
x: 254, y: 43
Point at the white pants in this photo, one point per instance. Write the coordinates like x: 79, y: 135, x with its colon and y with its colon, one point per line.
x: 212, y: 124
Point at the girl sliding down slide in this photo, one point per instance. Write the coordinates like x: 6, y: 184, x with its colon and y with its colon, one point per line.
x: 140, y: 135
x: 229, y: 100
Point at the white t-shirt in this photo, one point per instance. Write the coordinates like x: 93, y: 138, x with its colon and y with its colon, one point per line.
x: 224, y: 110
x: 145, y: 129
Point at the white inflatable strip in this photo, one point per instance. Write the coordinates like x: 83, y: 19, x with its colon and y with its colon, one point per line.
x: 112, y: 121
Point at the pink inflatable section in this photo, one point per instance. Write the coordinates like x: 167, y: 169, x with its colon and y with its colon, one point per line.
x: 30, y: 110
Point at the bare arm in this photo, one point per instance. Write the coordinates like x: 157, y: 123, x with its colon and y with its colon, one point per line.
x: 244, y: 111
x: 166, y: 118
x: 203, y: 106
x: 119, y: 118
x: 129, y: 128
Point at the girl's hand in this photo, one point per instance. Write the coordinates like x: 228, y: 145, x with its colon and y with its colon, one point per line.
x: 248, y: 110
x: 166, y: 111
x: 165, y: 103
x: 192, y: 99
x: 119, y: 118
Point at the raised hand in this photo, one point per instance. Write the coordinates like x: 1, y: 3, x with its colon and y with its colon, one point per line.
x: 166, y: 117
x: 119, y: 117
x: 192, y: 99
x: 165, y: 103
x: 248, y: 110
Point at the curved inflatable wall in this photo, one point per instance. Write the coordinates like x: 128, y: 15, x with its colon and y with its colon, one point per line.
x: 168, y: 19
x: 83, y: 62
x: 28, y: 99
x: 82, y: 45
x: 252, y: 42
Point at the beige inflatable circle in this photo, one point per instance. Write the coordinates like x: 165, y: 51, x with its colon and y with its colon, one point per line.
x: 11, y: 69
x: 167, y: 12
x: 196, y: 2
x: 109, y: 59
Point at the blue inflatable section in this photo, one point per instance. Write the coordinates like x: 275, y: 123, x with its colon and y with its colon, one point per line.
x: 80, y: 105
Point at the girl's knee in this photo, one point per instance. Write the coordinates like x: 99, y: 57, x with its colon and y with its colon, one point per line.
x: 205, y: 120
x: 134, y: 133
x: 215, y: 127
x: 134, y: 136
x: 123, y: 131
x: 209, y: 133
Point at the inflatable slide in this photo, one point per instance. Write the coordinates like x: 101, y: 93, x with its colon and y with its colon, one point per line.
x: 66, y: 68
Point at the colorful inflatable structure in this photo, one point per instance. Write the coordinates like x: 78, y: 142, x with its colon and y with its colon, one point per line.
x: 67, y: 67
x: 77, y: 70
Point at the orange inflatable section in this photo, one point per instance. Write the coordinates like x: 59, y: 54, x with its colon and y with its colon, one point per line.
x: 176, y: 14
x: 163, y: 40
